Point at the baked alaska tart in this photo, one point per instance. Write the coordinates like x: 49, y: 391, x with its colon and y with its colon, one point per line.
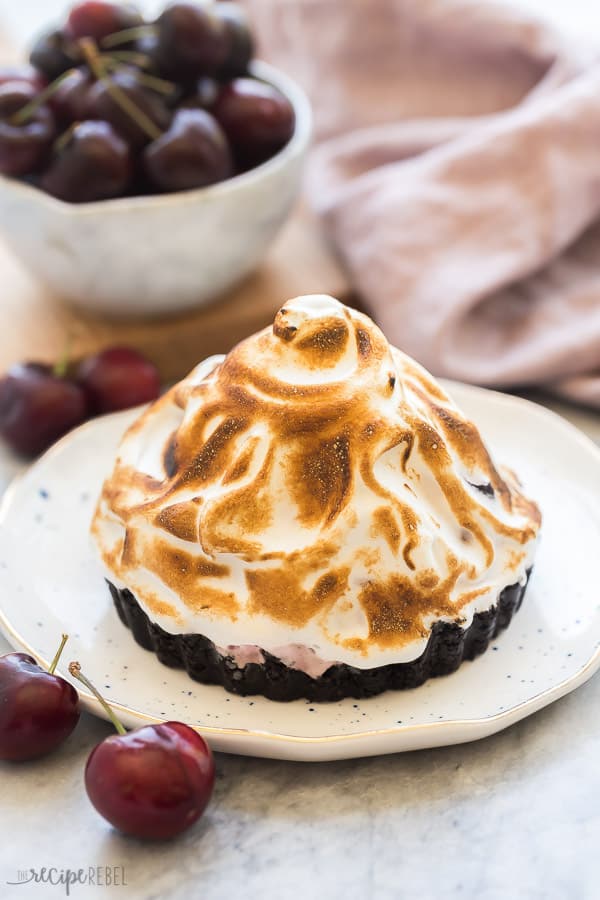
x: 311, y: 516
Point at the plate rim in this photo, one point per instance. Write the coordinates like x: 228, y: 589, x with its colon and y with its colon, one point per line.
x: 513, y: 714
x: 497, y: 721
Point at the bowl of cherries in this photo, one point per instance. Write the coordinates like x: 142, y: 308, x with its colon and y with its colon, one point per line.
x: 146, y: 166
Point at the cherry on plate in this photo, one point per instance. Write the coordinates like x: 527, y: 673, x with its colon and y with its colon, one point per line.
x: 193, y: 153
x: 153, y: 782
x: 38, y: 709
x: 25, y: 139
x: 93, y: 164
x: 37, y: 407
x: 118, y: 378
x: 257, y: 119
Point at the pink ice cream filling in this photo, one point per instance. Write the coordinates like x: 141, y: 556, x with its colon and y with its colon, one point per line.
x: 294, y: 656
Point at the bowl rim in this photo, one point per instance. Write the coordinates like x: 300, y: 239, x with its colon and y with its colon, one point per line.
x: 295, y: 146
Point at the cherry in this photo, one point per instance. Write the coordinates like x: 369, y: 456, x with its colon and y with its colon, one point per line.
x: 107, y: 73
x: 24, y: 141
x: 192, y: 40
x: 147, y: 45
x: 38, y: 709
x: 69, y: 101
x: 99, y: 18
x: 93, y: 164
x: 52, y: 54
x: 240, y: 45
x: 37, y: 407
x: 257, y: 119
x: 102, y: 105
x: 118, y: 378
x: 203, y: 94
x: 191, y: 154
x: 153, y: 782
x: 23, y: 73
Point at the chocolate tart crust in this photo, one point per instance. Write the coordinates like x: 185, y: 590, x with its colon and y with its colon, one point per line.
x: 448, y: 646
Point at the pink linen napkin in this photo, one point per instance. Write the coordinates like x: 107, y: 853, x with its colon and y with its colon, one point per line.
x: 457, y: 171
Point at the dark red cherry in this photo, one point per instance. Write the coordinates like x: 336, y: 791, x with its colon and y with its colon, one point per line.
x: 23, y: 73
x: 38, y: 709
x: 69, y: 101
x: 203, y: 94
x: 240, y: 44
x: 193, y: 153
x: 94, y: 164
x: 147, y: 45
x: 53, y: 53
x: 101, y: 104
x: 24, y: 143
x: 257, y: 119
x: 118, y: 378
x: 37, y: 407
x: 98, y: 18
x: 153, y: 782
x: 192, y: 40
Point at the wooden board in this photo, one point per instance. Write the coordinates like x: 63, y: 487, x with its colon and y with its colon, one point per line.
x: 36, y: 325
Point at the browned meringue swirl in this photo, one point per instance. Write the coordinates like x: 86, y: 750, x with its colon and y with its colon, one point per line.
x: 314, y: 486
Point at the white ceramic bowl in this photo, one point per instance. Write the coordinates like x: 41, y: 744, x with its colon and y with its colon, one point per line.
x: 151, y: 256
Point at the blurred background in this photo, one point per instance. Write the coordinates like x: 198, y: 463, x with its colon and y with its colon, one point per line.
x: 580, y: 18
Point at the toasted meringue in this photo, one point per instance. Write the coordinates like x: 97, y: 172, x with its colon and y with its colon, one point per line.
x: 315, y: 494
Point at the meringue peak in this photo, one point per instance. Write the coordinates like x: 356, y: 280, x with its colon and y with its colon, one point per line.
x: 277, y: 494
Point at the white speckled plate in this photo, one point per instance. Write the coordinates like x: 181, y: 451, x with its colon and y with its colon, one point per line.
x: 50, y: 582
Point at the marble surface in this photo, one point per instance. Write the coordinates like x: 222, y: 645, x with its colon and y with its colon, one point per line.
x: 512, y: 816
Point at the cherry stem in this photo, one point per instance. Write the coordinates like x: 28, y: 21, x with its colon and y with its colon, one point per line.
x: 75, y: 671
x: 160, y: 85
x: 57, y: 655
x: 25, y: 113
x: 61, y: 367
x: 98, y: 67
x: 59, y: 144
x: 127, y: 35
x: 141, y: 60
